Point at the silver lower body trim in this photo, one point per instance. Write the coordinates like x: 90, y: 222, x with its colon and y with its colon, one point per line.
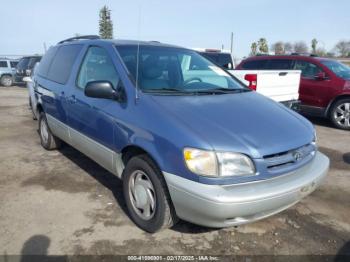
x: 102, y: 155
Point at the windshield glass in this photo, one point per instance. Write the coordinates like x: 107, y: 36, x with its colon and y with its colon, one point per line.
x: 23, y: 63
x: 175, y: 69
x: 32, y: 62
x: 340, y: 69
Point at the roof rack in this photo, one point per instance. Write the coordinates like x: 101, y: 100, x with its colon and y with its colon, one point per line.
x: 305, y: 54
x: 82, y: 37
x: 261, y: 54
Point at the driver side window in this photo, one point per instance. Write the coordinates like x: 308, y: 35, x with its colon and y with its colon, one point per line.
x: 97, y: 66
x: 308, y: 70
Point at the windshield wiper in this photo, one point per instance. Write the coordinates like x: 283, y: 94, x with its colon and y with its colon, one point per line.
x: 213, y: 91
x: 164, y: 90
x: 221, y: 90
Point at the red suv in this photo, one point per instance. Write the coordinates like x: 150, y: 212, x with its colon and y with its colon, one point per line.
x: 324, y: 86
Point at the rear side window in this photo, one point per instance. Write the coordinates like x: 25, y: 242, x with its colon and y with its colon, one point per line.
x: 279, y: 64
x: 62, y: 64
x: 14, y: 64
x: 3, y: 64
x: 46, y: 62
x: 254, y: 64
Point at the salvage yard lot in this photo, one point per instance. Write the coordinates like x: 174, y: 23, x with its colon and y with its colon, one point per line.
x: 64, y: 202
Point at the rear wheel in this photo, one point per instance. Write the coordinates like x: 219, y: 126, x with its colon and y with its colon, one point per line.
x: 340, y: 114
x: 6, y: 80
x: 48, y: 140
x: 32, y: 109
x: 146, y: 195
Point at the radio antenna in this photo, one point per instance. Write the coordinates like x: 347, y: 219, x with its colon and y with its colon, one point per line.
x: 138, y: 54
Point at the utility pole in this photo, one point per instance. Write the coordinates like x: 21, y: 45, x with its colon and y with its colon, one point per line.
x: 233, y: 60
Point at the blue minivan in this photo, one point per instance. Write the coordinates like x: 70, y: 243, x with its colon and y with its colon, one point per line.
x: 187, y: 139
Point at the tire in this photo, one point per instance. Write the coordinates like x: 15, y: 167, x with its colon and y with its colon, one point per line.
x: 32, y: 109
x: 340, y: 114
x: 6, y: 80
x: 142, y: 182
x: 47, y: 139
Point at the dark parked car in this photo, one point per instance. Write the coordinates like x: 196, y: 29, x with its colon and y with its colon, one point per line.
x: 324, y: 86
x: 25, y: 67
x: 199, y: 146
x: 222, y: 59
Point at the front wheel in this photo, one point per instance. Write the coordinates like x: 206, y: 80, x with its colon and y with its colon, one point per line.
x: 6, y: 81
x: 340, y: 114
x: 146, y: 195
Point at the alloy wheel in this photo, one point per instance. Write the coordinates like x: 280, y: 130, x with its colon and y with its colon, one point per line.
x: 342, y: 115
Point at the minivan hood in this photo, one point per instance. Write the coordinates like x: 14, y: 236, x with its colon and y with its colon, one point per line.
x: 241, y: 122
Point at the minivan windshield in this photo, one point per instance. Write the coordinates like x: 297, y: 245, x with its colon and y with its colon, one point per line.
x: 176, y: 70
x: 340, y: 69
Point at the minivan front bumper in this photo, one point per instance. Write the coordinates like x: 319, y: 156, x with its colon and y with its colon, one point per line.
x: 229, y: 205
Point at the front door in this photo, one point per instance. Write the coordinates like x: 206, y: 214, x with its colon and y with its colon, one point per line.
x: 312, y: 92
x: 91, y: 119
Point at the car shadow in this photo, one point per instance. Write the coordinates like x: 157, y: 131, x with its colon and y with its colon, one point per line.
x: 101, y: 175
x: 36, y: 249
x: 320, y: 121
x: 343, y: 253
x: 346, y: 158
x: 115, y: 185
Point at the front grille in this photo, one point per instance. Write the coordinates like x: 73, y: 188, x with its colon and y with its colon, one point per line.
x: 291, y: 157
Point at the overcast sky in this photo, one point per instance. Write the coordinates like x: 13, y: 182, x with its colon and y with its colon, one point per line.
x: 26, y: 25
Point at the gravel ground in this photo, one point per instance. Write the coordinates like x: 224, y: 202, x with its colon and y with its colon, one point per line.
x: 61, y: 202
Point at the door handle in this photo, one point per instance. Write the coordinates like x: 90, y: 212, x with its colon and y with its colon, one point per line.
x: 72, y: 99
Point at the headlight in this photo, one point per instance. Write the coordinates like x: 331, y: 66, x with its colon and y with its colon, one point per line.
x: 235, y: 164
x: 314, y: 140
x: 201, y: 162
x: 209, y: 163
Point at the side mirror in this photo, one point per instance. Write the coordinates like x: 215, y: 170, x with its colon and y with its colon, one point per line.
x: 104, y: 89
x: 321, y: 76
x: 27, y: 79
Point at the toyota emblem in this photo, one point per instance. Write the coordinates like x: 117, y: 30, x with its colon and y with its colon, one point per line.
x: 297, y: 156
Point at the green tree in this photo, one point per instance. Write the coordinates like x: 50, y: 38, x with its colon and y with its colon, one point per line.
x: 314, y: 43
x: 105, y: 23
x: 262, y: 45
x: 253, y: 49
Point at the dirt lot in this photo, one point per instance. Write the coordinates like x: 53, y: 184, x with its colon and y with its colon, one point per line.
x: 63, y: 203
